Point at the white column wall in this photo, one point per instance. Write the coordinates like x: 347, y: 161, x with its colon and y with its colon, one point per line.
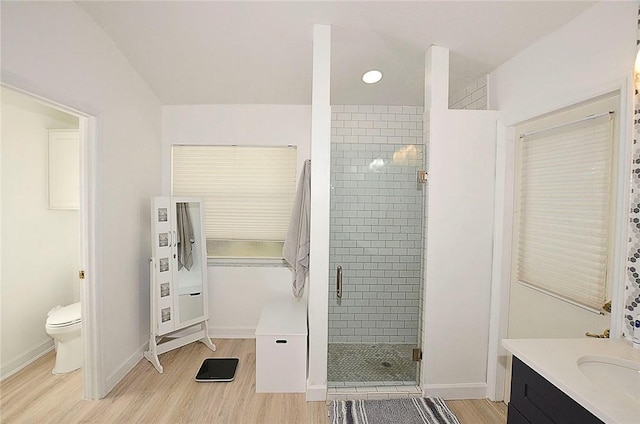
x: 318, y: 309
x: 436, y: 78
x: 459, y: 237
x: 459, y: 252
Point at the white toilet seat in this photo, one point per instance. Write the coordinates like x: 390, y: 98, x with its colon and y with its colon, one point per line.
x: 63, y: 328
x: 65, y: 317
x: 66, y: 324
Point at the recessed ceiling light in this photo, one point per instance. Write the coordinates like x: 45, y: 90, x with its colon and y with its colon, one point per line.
x: 372, y: 76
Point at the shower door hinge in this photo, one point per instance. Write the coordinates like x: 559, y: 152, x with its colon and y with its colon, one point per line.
x: 417, y: 355
x: 81, y: 275
x: 422, y: 176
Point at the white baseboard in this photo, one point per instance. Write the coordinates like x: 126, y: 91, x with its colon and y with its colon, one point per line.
x: 232, y: 332
x: 456, y: 391
x: 25, y: 359
x: 316, y: 393
x: 124, y: 369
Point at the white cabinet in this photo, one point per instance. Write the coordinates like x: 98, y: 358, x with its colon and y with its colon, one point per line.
x: 64, y: 169
x: 281, y: 347
x: 179, y: 289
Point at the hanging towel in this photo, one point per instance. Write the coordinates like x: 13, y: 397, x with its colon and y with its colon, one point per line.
x: 185, y: 236
x: 296, y: 246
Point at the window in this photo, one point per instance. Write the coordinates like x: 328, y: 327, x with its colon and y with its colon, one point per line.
x: 248, y: 191
x: 564, y: 209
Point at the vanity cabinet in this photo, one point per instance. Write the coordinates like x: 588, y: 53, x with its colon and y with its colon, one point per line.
x: 534, y: 400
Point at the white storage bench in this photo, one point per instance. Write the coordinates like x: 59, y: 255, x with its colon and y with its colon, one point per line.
x: 281, y: 347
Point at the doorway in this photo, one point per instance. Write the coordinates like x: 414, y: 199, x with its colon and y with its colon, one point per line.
x: 541, y: 312
x: 56, y: 225
x: 505, y: 322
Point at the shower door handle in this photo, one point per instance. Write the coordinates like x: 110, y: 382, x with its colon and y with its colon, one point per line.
x: 339, y: 282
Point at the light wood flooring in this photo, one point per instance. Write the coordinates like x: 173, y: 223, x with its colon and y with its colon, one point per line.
x: 34, y: 395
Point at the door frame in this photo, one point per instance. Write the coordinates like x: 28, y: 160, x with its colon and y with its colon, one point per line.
x: 92, y: 373
x: 503, y: 228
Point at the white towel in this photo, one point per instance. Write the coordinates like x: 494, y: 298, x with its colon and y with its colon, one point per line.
x: 296, y: 246
x: 185, y: 236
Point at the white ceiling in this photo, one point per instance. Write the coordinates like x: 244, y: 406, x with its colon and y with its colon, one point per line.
x: 239, y: 52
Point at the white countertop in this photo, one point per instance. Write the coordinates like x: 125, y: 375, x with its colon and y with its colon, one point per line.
x: 557, y: 361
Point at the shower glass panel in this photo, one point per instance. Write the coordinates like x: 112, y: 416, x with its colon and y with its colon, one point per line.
x: 376, y: 237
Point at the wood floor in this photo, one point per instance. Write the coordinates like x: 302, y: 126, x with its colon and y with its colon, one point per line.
x: 34, y: 395
x: 479, y: 411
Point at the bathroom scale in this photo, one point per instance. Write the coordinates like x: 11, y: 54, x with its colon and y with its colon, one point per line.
x: 217, y: 369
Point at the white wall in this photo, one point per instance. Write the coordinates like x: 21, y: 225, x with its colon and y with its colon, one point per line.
x: 592, y: 51
x: 249, y: 125
x: 590, y: 56
x: 237, y: 293
x: 41, y: 255
x: 459, y: 252
x: 55, y: 50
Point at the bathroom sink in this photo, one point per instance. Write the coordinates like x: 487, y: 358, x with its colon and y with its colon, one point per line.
x: 612, y: 374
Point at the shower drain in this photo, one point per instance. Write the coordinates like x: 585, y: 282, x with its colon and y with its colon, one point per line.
x: 385, y: 364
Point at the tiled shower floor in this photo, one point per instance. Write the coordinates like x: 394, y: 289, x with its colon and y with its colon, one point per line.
x: 370, y: 365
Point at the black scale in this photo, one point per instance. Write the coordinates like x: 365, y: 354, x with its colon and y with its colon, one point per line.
x: 217, y: 369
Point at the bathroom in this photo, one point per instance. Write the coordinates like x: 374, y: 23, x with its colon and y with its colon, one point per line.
x: 122, y: 274
x: 40, y: 220
x: 202, y: 123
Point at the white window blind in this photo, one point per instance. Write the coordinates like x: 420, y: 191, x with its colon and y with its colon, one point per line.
x: 564, y: 210
x: 248, y: 191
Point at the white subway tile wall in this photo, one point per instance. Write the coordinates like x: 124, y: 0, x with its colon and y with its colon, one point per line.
x: 472, y: 97
x: 376, y: 223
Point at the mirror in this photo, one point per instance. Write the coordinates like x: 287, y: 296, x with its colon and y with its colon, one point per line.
x: 190, y: 262
x: 178, y: 275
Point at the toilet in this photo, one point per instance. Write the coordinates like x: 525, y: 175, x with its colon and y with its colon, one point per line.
x: 64, y: 326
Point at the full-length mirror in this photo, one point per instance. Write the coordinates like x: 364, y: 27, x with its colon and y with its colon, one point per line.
x: 190, y: 264
x: 178, y: 271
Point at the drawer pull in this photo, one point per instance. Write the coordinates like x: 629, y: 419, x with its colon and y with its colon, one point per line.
x: 281, y: 341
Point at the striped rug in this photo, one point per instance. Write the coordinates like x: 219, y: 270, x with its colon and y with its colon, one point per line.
x: 404, y: 411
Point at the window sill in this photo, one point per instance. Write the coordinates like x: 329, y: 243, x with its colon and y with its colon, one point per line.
x: 246, y: 262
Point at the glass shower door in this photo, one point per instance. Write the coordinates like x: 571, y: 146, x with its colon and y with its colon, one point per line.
x: 376, y: 237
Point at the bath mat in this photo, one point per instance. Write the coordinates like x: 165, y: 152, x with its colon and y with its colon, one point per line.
x: 405, y: 411
x: 217, y: 369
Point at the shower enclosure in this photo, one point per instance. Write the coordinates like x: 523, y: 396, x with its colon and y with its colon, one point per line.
x: 376, y: 244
